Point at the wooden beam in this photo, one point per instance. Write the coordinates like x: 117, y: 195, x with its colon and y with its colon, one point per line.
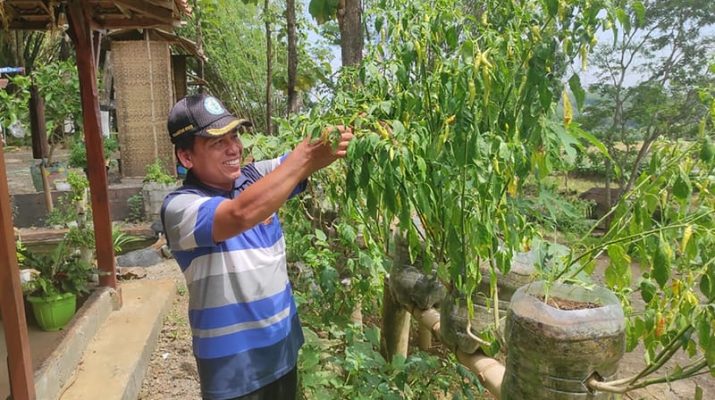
x: 83, y: 39
x: 134, y: 23
x: 147, y: 9
x: 22, y: 25
x: 11, y: 305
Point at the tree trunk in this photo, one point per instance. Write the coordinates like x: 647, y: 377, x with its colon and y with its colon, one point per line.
x: 645, y: 148
x: 269, y: 69
x: 292, y: 58
x: 351, y: 43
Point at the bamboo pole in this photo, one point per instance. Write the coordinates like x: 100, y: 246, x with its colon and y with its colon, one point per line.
x: 489, y: 371
x: 424, y: 341
x: 395, y: 335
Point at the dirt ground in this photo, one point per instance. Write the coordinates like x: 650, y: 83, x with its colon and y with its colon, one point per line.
x: 172, y: 370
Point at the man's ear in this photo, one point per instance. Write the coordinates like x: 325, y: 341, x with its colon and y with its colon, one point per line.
x: 184, y: 156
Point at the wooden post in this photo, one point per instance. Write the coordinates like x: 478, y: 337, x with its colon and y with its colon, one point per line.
x: 19, y: 360
x: 178, y: 64
x: 81, y: 34
x: 395, y: 326
x: 37, y: 124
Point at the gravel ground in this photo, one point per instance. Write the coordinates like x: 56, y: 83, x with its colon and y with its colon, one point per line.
x: 172, y: 370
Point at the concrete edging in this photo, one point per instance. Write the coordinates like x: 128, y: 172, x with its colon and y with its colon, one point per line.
x: 54, y: 372
x: 136, y: 378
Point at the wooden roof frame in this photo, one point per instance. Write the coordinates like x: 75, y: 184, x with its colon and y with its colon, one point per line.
x: 83, y: 20
x: 100, y: 14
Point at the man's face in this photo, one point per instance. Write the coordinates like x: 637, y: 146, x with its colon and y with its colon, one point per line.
x: 215, y: 161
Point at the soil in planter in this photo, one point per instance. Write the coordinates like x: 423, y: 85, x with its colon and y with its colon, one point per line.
x: 554, y: 346
x: 568, y: 305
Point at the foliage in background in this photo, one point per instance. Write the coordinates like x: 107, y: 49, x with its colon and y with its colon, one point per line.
x: 554, y: 212
x: 135, y: 204
x: 13, y: 101
x: 648, y: 77
x: 156, y: 173
x: 233, y: 38
x: 58, y: 84
x: 78, y: 151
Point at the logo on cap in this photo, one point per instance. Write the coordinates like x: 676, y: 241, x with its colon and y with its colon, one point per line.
x: 213, y: 106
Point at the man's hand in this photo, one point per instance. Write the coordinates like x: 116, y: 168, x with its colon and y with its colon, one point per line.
x: 320, y: 153
x: 264, y: 197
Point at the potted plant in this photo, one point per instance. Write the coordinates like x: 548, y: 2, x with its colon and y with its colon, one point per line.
x: 157, y: 184
x: 61, y: 276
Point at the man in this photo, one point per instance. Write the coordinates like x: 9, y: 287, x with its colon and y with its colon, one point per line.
x: 222, y: 228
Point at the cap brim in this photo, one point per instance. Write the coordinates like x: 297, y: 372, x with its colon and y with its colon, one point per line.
x: 223, y: 126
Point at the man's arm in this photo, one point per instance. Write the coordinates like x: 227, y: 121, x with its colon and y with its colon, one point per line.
x: 260, y: 200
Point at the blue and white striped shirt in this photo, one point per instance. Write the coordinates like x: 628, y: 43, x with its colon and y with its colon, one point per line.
x: 246, y: 332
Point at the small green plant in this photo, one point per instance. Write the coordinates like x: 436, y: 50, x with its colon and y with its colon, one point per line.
x: 135, y: 204
x: 345, y: 362
x: 155, y: 172
x: 121, y: 239
x: 63, y: 213
x: 61, y: 271
x: 78, y: 237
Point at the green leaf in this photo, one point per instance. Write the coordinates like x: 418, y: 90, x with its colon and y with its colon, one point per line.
x: 618, y: 273
x: 622, y: 17
x: 577, y: 90
x: 648, y: 290
x: 661, y: 262
x: 373, y: 335
x: 707, y: 283
x: 681, y: 187
x: 320, y: 235
x: 323, y: 10
x: 552, y: 6
x: 639, y: 10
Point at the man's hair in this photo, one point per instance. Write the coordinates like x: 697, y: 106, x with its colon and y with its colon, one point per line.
x: 185, y: 143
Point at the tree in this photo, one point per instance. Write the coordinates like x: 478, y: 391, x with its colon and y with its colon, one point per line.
x: 269, y: 67
x: 349, y: 16
x: 292, y: 57
x: 664, y: 46
x: 233, y: 41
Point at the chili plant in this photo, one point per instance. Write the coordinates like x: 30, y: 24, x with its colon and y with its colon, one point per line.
x: 453, y: 113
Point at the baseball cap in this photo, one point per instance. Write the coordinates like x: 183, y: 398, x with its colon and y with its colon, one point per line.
x: 201, y: 115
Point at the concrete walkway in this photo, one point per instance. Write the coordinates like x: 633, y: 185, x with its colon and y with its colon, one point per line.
x: 115, y: 361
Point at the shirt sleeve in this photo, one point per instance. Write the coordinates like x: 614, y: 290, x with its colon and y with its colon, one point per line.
x: 267, y: 166
x: 188, y: 220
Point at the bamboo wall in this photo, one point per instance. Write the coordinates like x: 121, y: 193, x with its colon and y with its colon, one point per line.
x: 144, y: 96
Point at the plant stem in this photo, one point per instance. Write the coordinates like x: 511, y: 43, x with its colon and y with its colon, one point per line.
x: 628, y: 238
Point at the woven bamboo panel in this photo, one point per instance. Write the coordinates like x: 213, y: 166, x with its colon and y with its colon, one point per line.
x: 144, y: 96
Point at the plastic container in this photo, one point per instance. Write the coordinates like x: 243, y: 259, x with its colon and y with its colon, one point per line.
x: 552, y: 352
x: 412, y: 288
x: 153, y: 195
x: 53, y: 313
